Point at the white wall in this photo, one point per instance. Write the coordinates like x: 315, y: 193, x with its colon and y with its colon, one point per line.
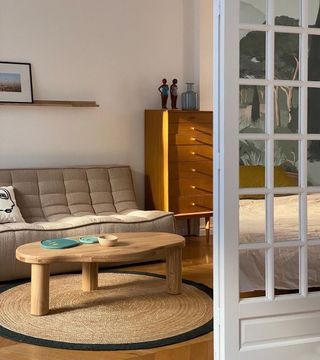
x: 205, y: 40
x: 112, y: 51
x: 191, y: 43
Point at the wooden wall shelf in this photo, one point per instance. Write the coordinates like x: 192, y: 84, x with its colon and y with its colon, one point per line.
x: 56, y: 103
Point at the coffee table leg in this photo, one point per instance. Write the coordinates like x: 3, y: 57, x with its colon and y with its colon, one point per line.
x: 40, y: 289
x: 89, y: 276
x: 174, y: 270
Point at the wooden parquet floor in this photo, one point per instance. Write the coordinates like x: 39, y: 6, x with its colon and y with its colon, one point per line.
x: 197, y: 266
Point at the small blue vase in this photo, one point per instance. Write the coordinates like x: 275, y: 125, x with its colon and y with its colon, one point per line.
x: 189, y: 98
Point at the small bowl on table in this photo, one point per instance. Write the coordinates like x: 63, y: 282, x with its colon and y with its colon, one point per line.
x: 108, y: 240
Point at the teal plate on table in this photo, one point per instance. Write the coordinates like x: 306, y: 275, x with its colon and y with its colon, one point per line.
x: 60, y: 243
x: 89, y: 239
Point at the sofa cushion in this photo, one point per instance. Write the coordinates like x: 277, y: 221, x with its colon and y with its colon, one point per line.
x: 100, y: 191
x: 122, y: 189
x: 50, y: 194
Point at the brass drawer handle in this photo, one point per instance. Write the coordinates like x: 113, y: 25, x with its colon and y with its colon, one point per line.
x: 193, y: 170
x: 201, y: 206
x: 203, y: 189
x: 193, y: 139
x: 193, y: 128
x: 208, y: 157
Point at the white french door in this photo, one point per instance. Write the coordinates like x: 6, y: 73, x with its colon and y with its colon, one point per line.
x: 267, y: 179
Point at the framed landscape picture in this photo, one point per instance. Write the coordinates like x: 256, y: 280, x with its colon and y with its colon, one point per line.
x: 15, y: 82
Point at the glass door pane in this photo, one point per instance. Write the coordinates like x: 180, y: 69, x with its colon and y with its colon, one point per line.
x: 286, y: 218
x: 252, y: 54
x: 313, y: 13
x: 286, y: 163
x: 287, y: 58
x: 286, y: 109
x: 253, y: 12
x: 287, y: 15
x: 286, y: 270
x: 252, y: 219
x: 252, y: 102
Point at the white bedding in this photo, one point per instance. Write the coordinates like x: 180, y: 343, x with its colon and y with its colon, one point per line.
x: 286, y: 220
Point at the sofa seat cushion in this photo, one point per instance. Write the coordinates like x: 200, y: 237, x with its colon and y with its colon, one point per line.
x: 14, y: 226
x: 70, y: 222
x: 142, y: 215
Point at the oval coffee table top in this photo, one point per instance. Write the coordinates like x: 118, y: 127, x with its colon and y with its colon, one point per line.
x: 130, y: 246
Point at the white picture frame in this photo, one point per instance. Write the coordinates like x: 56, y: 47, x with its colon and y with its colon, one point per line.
x: 15, y: 82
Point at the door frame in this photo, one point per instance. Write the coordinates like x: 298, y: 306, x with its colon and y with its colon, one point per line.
x: 228, y: 309
x: 226, y: 263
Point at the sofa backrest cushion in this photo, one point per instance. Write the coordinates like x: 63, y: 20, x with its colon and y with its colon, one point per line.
x: 52, y: 194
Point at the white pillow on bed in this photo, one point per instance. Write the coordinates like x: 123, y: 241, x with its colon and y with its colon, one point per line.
x: 9, y: 211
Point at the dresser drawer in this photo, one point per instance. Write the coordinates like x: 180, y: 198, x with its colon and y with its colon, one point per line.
x: 198, y: 185
x: 191, y: 170
x: 193, y: 128
x: 190, y: 117
x: 191, y: 204
x: 190, y: 139
x: 190, y: 152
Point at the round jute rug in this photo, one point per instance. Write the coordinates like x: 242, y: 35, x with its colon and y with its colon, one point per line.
x: 130, y: 310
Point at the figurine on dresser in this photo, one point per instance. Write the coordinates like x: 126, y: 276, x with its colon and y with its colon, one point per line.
x: 174, y: 94
x: 164, y: 91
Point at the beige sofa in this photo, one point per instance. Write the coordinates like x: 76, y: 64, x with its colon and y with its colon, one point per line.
x: 70, y: 202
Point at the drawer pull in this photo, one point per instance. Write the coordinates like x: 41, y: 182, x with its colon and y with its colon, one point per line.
x: 193, y: 170
x: 193, y: 128
x: 193, y: 153
x: 193, y: 187
x: 200, y: 141
x: 202, y: 206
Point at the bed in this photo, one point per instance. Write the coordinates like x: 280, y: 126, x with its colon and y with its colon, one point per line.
x: 286, y: 228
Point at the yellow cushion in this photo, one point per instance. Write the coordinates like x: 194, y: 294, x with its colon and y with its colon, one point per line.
x: 254, y: 177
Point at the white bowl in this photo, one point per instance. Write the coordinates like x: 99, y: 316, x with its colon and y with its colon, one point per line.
x: 107, y: 240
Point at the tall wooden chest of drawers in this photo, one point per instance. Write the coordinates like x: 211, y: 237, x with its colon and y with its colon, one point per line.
x: 178, y: 162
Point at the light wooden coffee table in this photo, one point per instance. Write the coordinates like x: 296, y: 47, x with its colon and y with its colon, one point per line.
x: 131, y: 247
